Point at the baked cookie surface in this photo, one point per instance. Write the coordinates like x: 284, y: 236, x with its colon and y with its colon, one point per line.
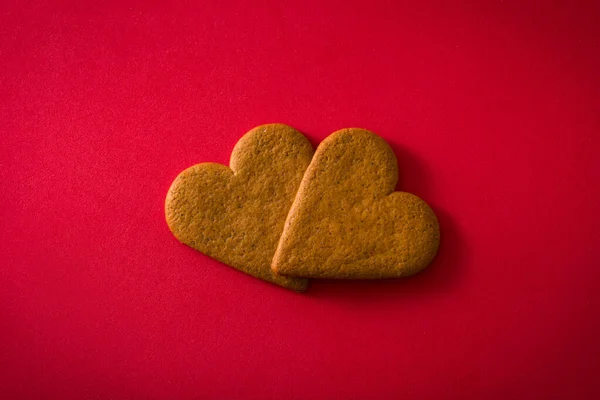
x: 236, y: 214
x: 347, y: 221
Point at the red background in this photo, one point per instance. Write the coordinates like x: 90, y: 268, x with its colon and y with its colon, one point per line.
x: 492, y: 109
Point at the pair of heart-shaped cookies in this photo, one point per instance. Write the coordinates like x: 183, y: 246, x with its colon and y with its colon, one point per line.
x: 282, y: 215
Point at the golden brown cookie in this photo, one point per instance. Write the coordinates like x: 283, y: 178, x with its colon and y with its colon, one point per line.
x: 347, y: 221
x: 236, y: 214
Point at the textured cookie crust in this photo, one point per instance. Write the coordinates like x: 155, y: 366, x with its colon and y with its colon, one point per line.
x: 236, y: 215
x: 347, y: 221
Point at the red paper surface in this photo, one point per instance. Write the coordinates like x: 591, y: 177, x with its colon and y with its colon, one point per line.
x: 492, y: 109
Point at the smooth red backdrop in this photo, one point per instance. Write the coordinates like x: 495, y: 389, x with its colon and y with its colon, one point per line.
x: 492, y: 109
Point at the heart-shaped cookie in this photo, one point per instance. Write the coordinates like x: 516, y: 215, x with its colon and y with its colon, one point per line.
x: 236, y: 215
x: 347, y: 221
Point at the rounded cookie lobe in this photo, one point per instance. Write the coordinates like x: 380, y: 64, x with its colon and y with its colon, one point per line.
x: 347, y: 221
x: 236, y: 215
